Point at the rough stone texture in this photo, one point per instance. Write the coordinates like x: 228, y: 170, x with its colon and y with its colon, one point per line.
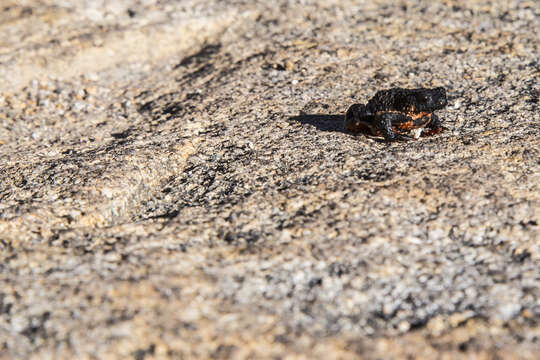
x: 176, y: 182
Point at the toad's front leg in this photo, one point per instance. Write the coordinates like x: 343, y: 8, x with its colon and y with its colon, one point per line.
x: 383, y: 123
x: 434, y: 126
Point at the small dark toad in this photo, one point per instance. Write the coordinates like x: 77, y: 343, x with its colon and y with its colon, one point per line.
x: 395, y: 112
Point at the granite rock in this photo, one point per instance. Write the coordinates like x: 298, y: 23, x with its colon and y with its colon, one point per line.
x: 177, y: 182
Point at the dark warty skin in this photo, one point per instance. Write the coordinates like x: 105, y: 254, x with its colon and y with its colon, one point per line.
x: 395, y: 112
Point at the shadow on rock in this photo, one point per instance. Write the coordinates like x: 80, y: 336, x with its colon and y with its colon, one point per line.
x: 323, y: 122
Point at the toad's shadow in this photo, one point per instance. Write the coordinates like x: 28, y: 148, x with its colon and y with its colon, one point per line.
x: 323, y: 122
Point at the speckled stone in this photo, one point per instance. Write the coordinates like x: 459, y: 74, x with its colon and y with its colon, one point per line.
x: 176, y: 181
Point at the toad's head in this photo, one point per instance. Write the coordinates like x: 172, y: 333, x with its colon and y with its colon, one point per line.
x: 429, y: 100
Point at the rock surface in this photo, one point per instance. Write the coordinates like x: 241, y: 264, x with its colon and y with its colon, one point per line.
x: 176, y: 182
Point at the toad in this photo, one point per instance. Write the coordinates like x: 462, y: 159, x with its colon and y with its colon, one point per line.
x: 394, y: 113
